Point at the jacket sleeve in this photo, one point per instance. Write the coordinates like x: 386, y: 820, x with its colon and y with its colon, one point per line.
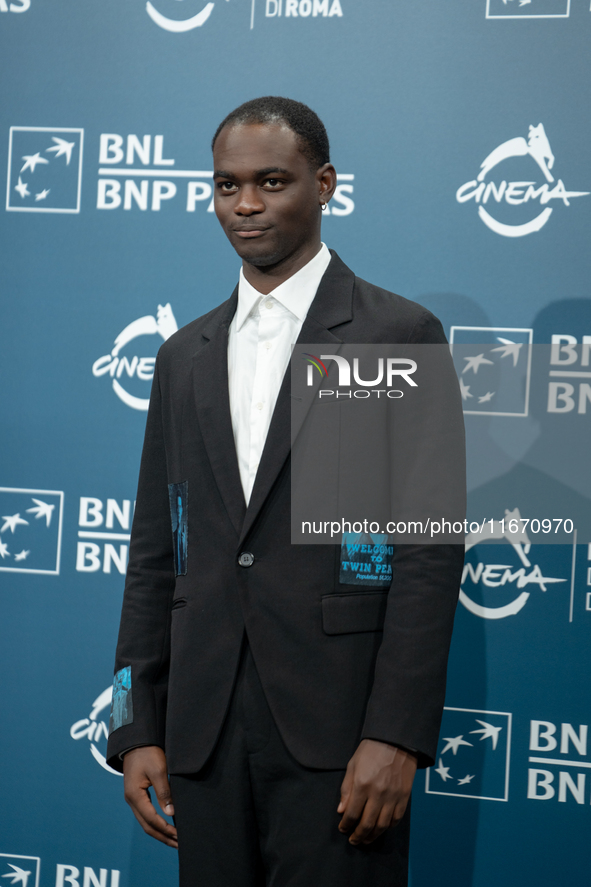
x: 408, y: 693
x: 143, y: 649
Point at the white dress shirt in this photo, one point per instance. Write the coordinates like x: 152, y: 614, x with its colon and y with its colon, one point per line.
x: 261, y: 336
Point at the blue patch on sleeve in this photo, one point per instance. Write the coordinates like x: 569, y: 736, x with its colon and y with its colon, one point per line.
x: 179, y: 513
x: 366, y: 559
x: 122, y: 703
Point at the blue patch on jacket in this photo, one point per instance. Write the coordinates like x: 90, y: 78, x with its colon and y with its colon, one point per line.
x: 122, y: 703
x: 366, y: 559
x: 179, y: 513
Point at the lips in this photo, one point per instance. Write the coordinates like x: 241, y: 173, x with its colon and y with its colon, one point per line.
x: 249, y: 232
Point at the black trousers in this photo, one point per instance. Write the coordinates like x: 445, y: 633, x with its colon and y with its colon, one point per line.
x: 254, y: 817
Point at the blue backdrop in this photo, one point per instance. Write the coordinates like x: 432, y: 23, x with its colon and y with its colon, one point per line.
x: 461, y: 134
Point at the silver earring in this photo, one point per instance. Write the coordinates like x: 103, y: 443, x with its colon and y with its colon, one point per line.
x: 324, y: 206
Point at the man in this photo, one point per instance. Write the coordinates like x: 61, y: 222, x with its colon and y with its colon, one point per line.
x: 291, y: 737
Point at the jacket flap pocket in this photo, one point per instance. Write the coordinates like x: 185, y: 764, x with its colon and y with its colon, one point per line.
x: 344, y: 613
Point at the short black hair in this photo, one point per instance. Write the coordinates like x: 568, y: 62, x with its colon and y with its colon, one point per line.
x: 302, y: 120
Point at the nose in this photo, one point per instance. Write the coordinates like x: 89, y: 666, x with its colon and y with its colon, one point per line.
x: 249, y: 201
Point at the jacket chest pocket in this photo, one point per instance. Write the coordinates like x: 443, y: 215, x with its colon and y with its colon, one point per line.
x: 351, y: 612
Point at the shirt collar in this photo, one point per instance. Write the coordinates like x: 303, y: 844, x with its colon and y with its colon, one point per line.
x: 296, y: 293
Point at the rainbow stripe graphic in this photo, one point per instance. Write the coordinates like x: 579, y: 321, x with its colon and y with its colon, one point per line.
x: 316, y: 362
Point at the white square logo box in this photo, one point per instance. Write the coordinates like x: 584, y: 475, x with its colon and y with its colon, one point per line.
x: 473, y: 755
x: 44, y: 169
x: 30, y: 531
x: 527, y: 8
x: 494, y: 369
x: 20, y: 871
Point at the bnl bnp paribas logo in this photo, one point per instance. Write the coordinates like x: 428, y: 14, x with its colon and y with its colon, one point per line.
x: 512, y: 199
x: 24, y: 871
x: 138, y: 173
x: 135, y: 173
x: 494, y: 369
x: 30, y: 530
x: 186, y: 19
x: 19, y: 871
x: 527, y: 8
x: 474, y: 755
x: 44, y: 169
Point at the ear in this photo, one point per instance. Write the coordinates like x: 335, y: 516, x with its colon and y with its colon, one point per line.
x: 326, y: 180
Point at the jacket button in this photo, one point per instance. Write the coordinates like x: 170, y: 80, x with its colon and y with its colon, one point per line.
x: 246, y: 559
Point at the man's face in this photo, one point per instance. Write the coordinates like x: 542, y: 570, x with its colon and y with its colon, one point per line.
x: 266, y: 197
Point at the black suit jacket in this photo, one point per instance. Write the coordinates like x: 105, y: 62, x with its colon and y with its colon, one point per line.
x: 381, y: 671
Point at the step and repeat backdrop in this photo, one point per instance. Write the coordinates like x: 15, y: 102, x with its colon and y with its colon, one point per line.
x: 461, y: 134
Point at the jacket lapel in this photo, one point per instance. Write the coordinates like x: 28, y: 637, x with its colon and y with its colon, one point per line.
x: 212, y: 400
x: 331, y: 307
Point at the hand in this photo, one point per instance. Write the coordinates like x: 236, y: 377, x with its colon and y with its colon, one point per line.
x: 375, y: 790
x: 144, y: 767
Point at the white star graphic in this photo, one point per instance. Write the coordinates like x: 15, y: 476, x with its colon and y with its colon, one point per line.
x: 31, y: 161
x: 488, y: 732
x: 472, y: 363
x: 41, y: 509
x: 509, y: 349
x: 22, y: 189
x: 486, y: 397
x: 11, y: 522
x: 22, y: 555
x: 465, y: 390
x: 42, y: 194
x: 62, y: 147
x: 3, y: 549
x: 454, y: 744
x: 17, y: 874
x: 466, y: 780
x: 443, y: 771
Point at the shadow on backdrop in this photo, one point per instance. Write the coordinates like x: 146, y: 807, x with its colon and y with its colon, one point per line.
x: 445, y: 828
x: 530, y: 463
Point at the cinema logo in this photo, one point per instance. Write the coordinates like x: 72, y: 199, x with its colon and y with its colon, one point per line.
x: 134, y: 174
x: 94, y: 729
x: 273, y: 9
x: 123, y: 368
x: 488, y: 193
x: 389, y: 370
x: 498, y: 590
